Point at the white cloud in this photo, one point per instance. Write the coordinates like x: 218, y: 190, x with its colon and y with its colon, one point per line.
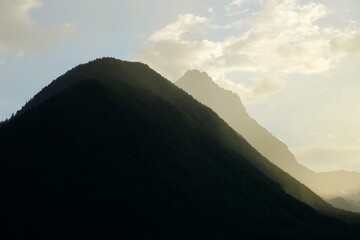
x: 211, y: 10
x: 174, y: 31
x: 256, y: 92
x: 329, y: 158
x: 347, y: 44
x: 173, y: 58
x: 236, y: 7
x: 328, y: 136
x: 20, y: 33
x: 170, y: 54
x: 234, y: 4
x: 264, y: 88
x: 284, y: 38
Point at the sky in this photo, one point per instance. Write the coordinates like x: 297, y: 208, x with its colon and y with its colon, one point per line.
x: 294, y: 63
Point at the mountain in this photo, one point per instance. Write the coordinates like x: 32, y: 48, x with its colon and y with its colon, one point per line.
x: 111, y: 71
x: 345, y: 204
x: 230, y: 108
x: 113, y: 150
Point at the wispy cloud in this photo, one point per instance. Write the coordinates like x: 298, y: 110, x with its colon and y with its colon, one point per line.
x: 236, y: 7
x: 234, y: 3
x: 284, y: 37
x: 259, y: 90
x: 176, y: 30
x: 329, y: 157
x: 20, y: 33
x: 347, y: 44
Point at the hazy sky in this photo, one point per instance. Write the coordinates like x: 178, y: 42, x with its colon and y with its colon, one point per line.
x: 295, y: 64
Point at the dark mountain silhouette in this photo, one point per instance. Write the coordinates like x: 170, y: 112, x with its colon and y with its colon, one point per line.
x: 230, y: 108
x: 111, y: 71
x: 112, y: 150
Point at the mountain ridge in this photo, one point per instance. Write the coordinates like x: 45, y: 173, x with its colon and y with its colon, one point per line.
x: 130, y: 149
x: 111, y: 70
x: 345, y: 204
x: 228, y: 106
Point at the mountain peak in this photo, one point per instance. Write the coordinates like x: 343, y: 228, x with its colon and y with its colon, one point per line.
x: 198, y: 78
x: 203, y: 88
x: 106, y: 69
x: 197, y: 73
x: 230, y: 108
x: 228, y: 105
x: 123, y: 149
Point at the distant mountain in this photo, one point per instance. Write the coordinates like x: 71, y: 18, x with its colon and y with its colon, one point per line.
x: 230, y: 108
x: 112, y: 150
x: 345, y: 204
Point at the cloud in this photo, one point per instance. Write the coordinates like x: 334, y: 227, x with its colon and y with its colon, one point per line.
x: 329, y: 158
x: 21, y: 34
x: 347, y: 44
x: 284, y: 37
x: 258, y: 91
x: 234, y: 4
x: 264, y: 88
x: 174, y: 31
x: 173, y: 58
x: 211, y: 10
x: 236, y: 7
x: 172, y: 55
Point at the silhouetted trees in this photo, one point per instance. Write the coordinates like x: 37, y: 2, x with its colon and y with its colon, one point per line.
x: 129, y: 155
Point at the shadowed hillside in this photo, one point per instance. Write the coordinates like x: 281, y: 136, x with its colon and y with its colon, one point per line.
x: 112, y: 150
